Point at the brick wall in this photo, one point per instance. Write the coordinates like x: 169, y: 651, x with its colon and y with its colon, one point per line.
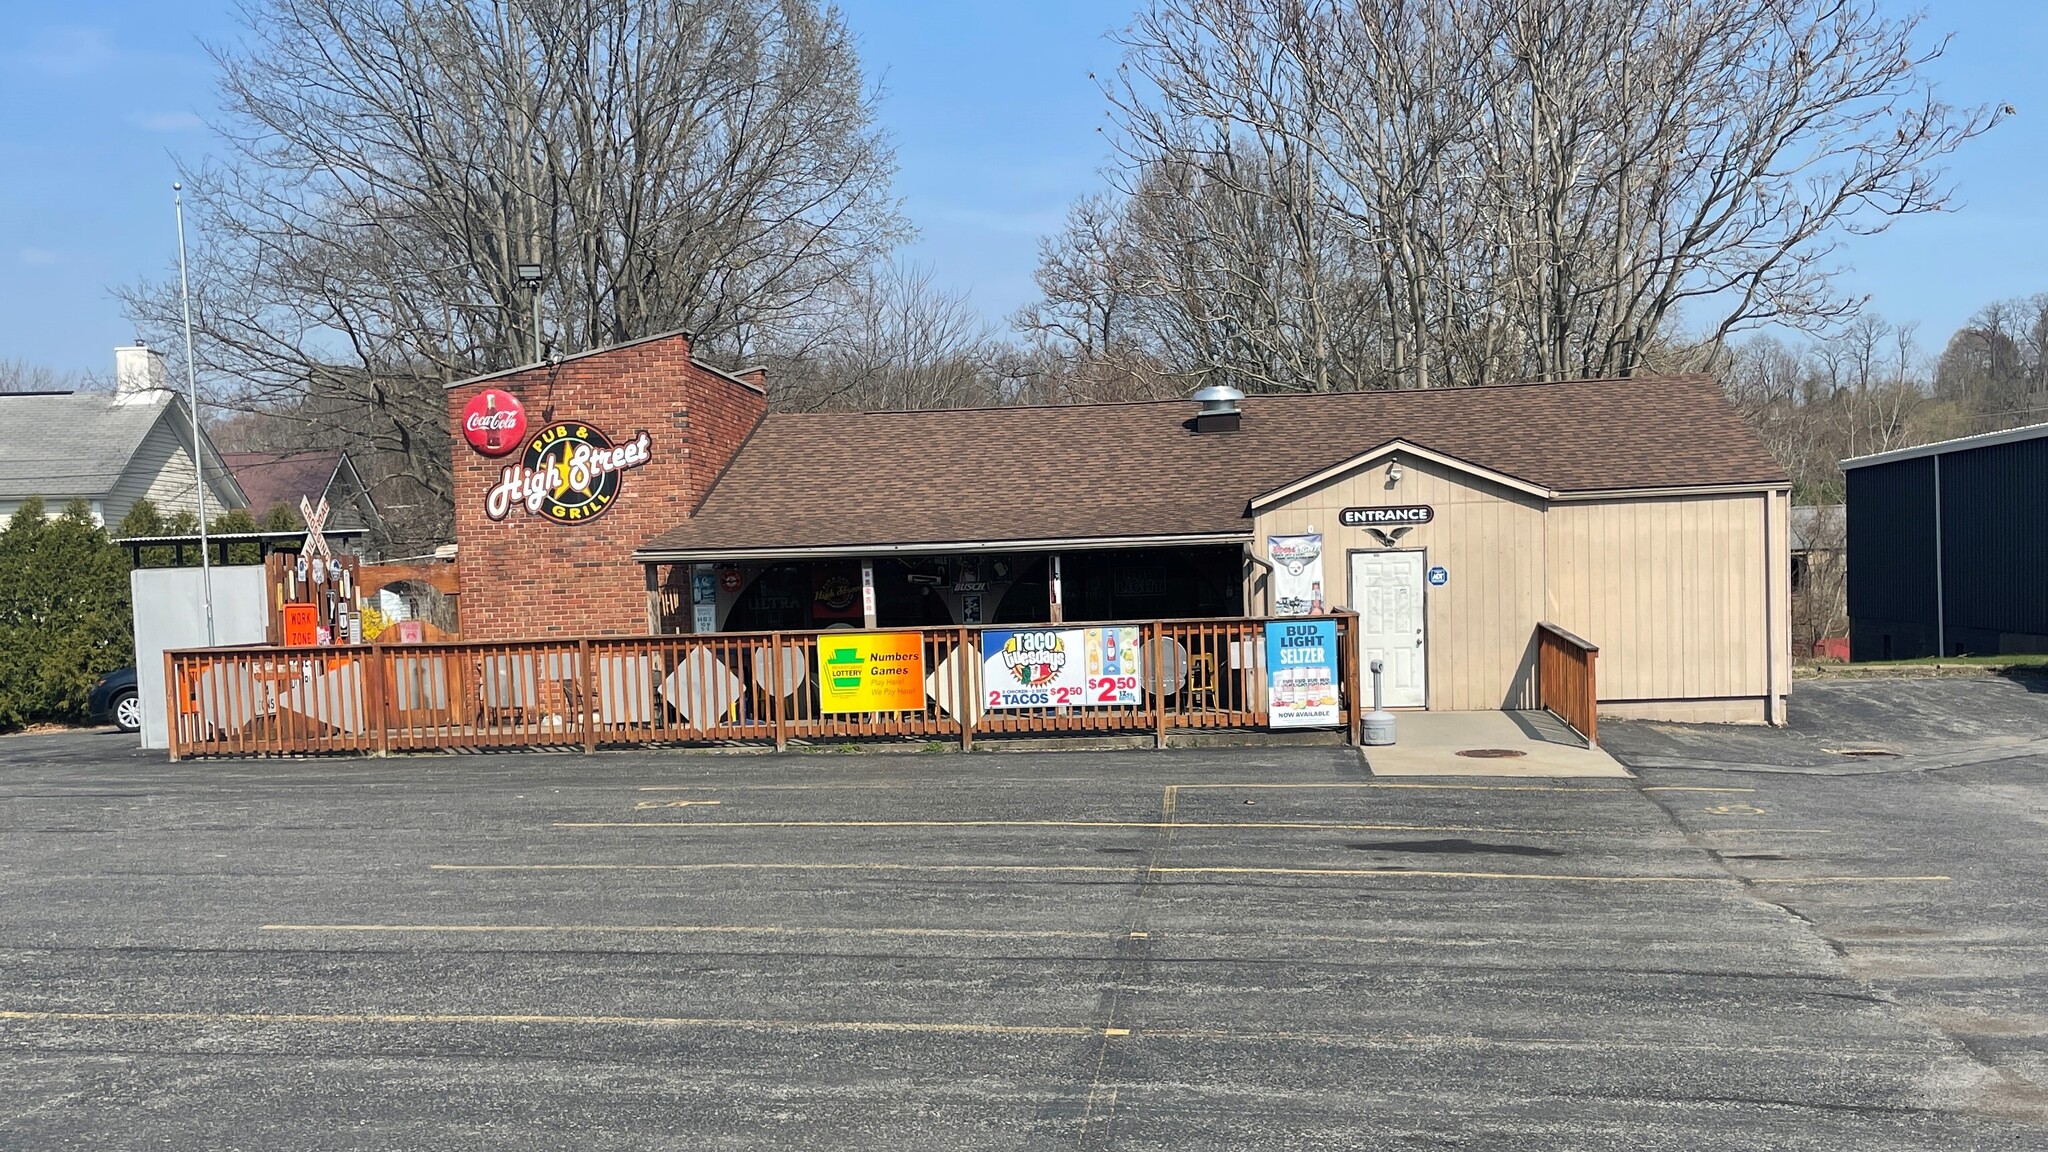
x: 528, y: 576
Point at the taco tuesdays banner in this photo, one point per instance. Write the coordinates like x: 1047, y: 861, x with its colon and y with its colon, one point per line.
x: 1059, y: 667
x: 1301, y: 673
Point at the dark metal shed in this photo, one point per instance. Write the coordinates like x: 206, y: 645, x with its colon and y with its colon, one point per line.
x: 1948, y: 548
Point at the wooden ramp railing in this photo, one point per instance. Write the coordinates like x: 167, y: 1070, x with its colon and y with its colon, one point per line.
x: 719, y: 688
x: 1565, y: 683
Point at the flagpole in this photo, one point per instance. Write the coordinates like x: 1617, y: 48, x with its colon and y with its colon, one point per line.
x: 192, y: 398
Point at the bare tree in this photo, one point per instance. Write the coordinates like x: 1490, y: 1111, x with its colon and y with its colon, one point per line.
x: 17, y: 375
x: 703, y: 164
x: 891, y: 341
x: 1993, y: 370
x: 1473, y: 190
x: 1096, y: 332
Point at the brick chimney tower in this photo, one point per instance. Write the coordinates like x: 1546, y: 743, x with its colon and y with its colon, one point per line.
x: 603, y: 451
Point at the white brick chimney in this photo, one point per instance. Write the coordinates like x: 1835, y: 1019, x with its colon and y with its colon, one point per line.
x: 139, y: 376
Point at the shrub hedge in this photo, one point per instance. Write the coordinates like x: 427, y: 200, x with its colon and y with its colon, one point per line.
x: 64, y: 613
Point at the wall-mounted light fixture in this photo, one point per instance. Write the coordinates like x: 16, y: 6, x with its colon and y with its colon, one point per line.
x: 1393, y: 473
x: 530, y: 278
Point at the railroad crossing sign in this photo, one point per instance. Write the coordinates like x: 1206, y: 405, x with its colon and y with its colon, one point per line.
x: 316, y: 519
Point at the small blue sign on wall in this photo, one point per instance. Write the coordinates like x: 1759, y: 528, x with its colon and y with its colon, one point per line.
x: 1438, y: 576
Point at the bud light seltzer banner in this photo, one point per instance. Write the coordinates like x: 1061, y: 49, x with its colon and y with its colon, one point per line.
x: 1297, y: 574
x: 1301, y: 673
x: 1033, y: 668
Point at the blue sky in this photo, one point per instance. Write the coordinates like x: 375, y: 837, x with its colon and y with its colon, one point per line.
x: 995, y: 121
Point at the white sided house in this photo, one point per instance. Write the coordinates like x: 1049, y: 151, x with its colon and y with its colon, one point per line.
x: 109, y: 450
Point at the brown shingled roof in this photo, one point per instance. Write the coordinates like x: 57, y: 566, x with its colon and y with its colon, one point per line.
x: 1073, y: 472
x: 274, y: 478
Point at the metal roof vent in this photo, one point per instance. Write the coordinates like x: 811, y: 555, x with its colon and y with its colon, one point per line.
x: 1219, y: 412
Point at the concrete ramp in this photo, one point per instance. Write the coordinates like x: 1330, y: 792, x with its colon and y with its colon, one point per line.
x: 1529, y: 744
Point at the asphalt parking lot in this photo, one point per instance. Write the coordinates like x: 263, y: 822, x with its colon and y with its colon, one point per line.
x: 1762, y: 942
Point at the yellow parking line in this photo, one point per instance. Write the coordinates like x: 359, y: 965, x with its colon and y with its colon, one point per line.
x: 1689, y: 788
x: 1394, y: 784
x: 938, y: 933
x: 970, y: 1029
x: 1761, y: 831
x: 1849, y: 879
x: 1442, y: 874
x: 1086, y: 869
x: 725, y: 867
x: 962, y: 1028
x: 1115, y: 870
x: 697, y: 930
x: 1168, y: 823
x: 1532, y: 1043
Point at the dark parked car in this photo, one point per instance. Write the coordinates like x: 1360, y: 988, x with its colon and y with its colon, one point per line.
x: 113, y: 701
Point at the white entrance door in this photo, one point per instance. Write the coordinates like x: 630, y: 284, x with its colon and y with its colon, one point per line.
x: 1386, y: 592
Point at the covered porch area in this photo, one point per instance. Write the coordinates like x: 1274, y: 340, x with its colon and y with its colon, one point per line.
x: 945, y: 585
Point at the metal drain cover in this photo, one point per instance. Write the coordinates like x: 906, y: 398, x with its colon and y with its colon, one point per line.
x: 1491, y: 753
x: 1861, y: 751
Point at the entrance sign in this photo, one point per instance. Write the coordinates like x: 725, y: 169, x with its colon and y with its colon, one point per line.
x: 870, y: 672
x: 494, y: 422
x: 1301, y: 673
x: 570, y: 473
x: 1297, y: 573
x: 1033, y: 668
x: 1403, y: 516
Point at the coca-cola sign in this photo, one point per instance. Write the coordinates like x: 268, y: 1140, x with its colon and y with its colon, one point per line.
x: 494, y: 422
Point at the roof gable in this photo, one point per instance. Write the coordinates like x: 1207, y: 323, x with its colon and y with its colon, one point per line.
x: 1390, y: 448
x: 71, y: 444
x: 273, y: 478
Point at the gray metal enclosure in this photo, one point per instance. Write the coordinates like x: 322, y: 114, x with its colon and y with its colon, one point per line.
x: 1948, y: 548
x: 170, y: 612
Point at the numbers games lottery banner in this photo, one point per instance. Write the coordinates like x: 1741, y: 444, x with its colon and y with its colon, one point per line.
x: 1297, y: 574
x: 1059, y: 667
x: 1301, y: 673
x: 870, y: 672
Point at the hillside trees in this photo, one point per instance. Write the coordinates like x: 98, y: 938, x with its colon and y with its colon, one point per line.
x: 1323, y: 194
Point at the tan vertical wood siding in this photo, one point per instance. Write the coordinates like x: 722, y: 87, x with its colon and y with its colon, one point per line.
x: 1688, y: 597
x: 1672, y: 590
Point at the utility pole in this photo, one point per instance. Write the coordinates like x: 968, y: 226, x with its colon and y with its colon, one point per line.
x: 192, y: 400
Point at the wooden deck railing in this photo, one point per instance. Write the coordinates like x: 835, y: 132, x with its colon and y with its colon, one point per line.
x: 722, y: 688
x: 1565, y: 682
